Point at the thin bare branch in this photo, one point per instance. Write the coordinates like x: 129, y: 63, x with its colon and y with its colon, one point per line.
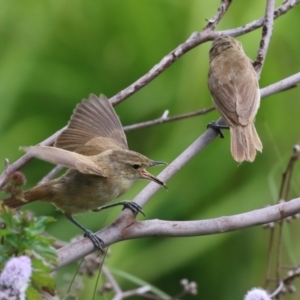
x: 278, y: 239
x: 281, y: 85
x: 281, y: 10
x: 164, y: 119
x: 111, y: 280
x: 212, y: 23
x: 266, y: 36
x: 22, y: 161
x: 51, y: 174
x: 193, y: 41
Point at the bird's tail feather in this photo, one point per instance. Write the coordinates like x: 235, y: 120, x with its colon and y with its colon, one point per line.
x: 37, y: 193
x: 244, y: 142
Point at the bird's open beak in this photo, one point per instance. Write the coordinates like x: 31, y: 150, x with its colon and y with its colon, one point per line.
x: 147, y: 175
x: 156, y: 162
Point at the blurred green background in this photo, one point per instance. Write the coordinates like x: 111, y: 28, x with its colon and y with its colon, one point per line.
x: 54, y: 53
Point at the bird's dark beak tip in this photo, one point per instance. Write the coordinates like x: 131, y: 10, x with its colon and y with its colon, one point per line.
x: 155, y: 163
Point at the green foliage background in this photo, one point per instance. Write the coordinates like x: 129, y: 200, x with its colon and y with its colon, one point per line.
x: 55, y: 53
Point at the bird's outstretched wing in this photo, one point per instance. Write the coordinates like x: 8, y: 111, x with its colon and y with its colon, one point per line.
x: 93, y: 128
x: 72, y: 160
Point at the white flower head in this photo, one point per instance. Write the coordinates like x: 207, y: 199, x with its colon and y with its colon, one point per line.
x: 15, y: 277
x: 257, y: 294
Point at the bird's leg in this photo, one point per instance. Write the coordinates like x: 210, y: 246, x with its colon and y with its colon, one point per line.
x: 218, y: 128
x: 133, y: 206
x: 98, y: 243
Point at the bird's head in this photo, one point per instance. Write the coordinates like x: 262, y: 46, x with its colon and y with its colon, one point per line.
x: 131, y: 165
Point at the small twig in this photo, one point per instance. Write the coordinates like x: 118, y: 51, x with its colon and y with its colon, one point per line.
x: 6, y: 163
x: 279, y: 251
x: 266, y: 37
x: 287, y: 175
x: 292, y: 275
x: 212, y: 23
x: 164, y: 119
x: 269, y: 255
x: 282, y: 197
x: 278, y: 290
x: 51, y: 174
x: 22, y: 161
x: 138, y: 291
x: 111, y: 280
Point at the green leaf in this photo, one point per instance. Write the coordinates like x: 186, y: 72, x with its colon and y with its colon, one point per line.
x: 33, y: 294
x: 43, y: 281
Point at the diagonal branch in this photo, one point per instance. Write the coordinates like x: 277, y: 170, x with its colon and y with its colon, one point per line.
x: 212, y: 23
x: 126, y: 227
x: 193, y: 41
x: 266, y: 37
x: 282, y: 85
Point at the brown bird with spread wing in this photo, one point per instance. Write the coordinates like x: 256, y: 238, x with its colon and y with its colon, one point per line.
x: 101, y: 168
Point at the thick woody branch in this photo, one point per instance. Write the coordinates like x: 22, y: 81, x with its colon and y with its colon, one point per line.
x: 125, y: 228
x: 126, y: 224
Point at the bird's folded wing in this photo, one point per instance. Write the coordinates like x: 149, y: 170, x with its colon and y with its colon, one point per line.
x: 93, y: 128
x: 72, y: 160
x: 231, y: 100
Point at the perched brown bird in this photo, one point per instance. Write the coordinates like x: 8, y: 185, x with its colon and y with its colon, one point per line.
x: 101, y: 168
x: 233, y: 84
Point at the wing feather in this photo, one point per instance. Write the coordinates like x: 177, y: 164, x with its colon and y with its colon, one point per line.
x: 66, y: 158
x: 238, y: 98
x: 93, y: 128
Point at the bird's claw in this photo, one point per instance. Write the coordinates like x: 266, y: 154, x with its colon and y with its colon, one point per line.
x: 218, y: 128
x: 133, y: 206
x: 98, y: 243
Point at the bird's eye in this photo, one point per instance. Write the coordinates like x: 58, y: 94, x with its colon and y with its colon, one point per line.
x: 136, y: 166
